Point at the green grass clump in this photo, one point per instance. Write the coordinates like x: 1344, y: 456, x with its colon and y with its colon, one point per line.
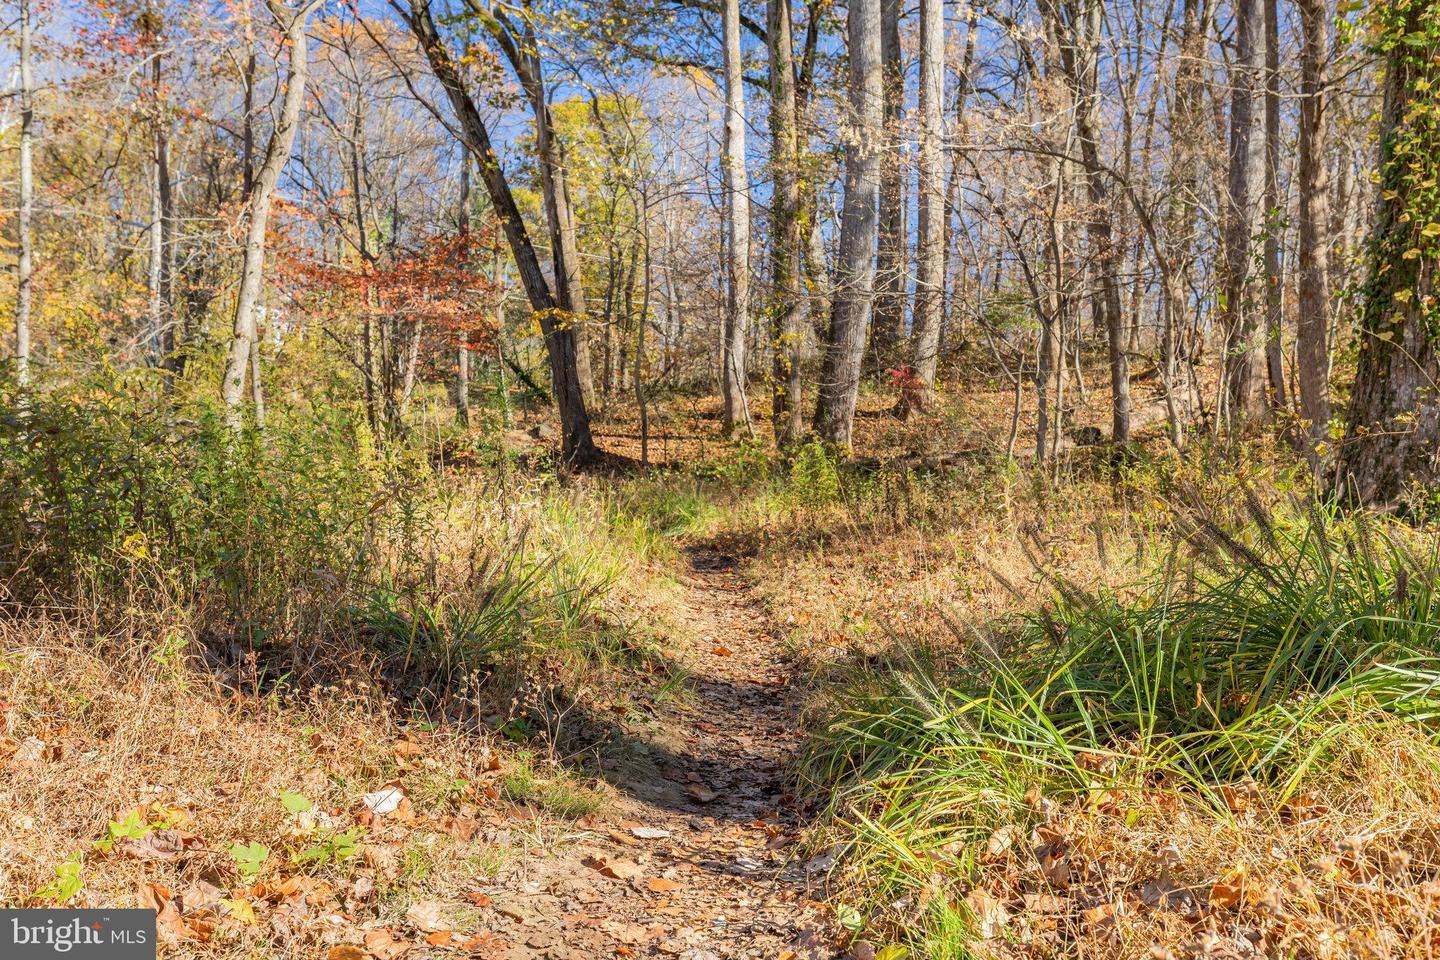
x: 1252, y: 655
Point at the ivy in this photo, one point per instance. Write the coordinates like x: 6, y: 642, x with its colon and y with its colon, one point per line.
x: 1406, y: 245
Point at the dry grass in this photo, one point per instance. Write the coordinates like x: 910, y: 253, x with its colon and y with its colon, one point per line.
x: 1346, y: 870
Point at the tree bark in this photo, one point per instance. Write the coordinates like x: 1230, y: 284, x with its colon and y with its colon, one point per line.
x: 737, y: 197
x: 1393, y: 435
x: 930, y: 242
x: 785, y: 241
x: 889, y: 307
x: 462, y: 352
x: 1079, y: 55
x: 1274, y: 216
x: 24, y: 293
x: 855, y: 270
x: 1244, y: 354
x: 577, y: 444
x: 277, y: 154
x: 162, y: 228
x: 1311, y: 348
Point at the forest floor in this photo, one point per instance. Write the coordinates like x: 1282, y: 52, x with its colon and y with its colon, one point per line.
x: 697, y: 856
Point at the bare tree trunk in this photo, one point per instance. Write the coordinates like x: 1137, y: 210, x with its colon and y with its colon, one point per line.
x: 577, y: 444
x: 1244, y: 354
x: 952, y: 188
x: 785, y: 245
x: 737, y: 197
x: 462, y: 353
x: 25, y: 286
x: 1274, y: 215
x: 277, y: 154
x: 1079, y: 49
x: 855, y: 271
x: 889, y: 301
x: 257, y: 384
x: 1311, y: 348
x: 930, y: 253
x: 1393, y: 436
x: 162, y: 210
x: 412, y: 363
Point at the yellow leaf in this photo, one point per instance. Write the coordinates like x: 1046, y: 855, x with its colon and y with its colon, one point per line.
x: 240, y: 910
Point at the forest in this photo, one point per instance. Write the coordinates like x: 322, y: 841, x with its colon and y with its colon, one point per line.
x: 791, y: 480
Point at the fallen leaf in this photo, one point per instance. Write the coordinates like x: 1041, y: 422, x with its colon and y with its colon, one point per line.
x: 989, y: 912
x: 168, y: 922
x: 701, y: 793
x: 649, y: 833
x: 614, y: 869
x: 382, y: 945
x: 440, y: 938
x: 385, y: 800
x: 428, y: 916
x: 480, y: 899
x: 1227, y: 891
x: 346, y: 951
x: 158, y: 845
x: 1001, y: 840
x: 722, y: 651
x: 662, y: 885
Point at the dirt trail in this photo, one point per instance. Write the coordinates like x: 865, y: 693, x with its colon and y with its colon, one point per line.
x: 696, y: 859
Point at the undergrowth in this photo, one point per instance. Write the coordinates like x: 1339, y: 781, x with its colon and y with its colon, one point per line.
x: 1250, y: 664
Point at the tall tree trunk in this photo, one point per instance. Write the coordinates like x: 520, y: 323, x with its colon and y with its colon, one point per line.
x: 577, y: 444
x: 462, y: 352
x: 1274, y: 214
x: 785, y: 242
x: 1187, y: 132
x: 1311, y: 348
x: 277, y: 154
x: 24, y: 292
x: 855, y: 270
x: 952, y: 187
x: 737, y: 204
x: 162, y: 209
x: 1080, y: 50
x: 1244, y: 348
x: 889, y: 307
x: 930, y: 243
x: 1393, y: 436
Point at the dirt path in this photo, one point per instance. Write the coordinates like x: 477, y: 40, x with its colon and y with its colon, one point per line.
x: 696, y: 859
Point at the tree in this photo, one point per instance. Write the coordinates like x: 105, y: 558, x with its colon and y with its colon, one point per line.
x: 1274, y: 216
x: 785, y: 241
x: 577, y: 446
x: 462, y: 351
x: 1077, y: 26
x: 26, y: 267
x: 891, y: 258
x: 1393, y: 435
x: 737, y: 200
x: 930, y: 245
x: 855, y: 269
x: 277, y: 155
x: 1313, y: 255
x: 1244, y: 372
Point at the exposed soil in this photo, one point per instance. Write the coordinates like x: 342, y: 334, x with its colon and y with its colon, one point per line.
x: 698, y: 857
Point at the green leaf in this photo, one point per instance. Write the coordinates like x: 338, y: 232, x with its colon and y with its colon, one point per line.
x: 294, y: 802
x: 849, y: 918
x: 249, y: 858
x: 66, y: 884
x: 132, y: 827
x: 895, y: 951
